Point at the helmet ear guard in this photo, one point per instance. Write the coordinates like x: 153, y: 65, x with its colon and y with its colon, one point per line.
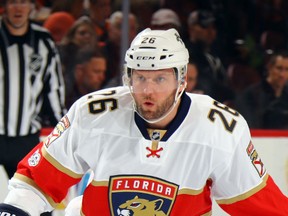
x: 182, y: 74
x: 126, y: 75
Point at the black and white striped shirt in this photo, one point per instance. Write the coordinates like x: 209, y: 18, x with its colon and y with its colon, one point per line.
x: 29, y: 68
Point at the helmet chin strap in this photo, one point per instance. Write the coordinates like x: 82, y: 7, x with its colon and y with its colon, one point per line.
x: 177, y: 97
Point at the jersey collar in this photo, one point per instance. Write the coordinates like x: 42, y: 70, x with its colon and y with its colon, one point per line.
x: 173, y: 126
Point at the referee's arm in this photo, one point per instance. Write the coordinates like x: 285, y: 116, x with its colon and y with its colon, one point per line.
x: 54, y: 88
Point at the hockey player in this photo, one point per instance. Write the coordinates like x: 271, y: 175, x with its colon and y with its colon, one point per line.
x: 154, y: 149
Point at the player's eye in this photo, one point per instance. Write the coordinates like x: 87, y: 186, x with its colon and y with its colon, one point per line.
x: 160, y: 79
x: 140, y: 79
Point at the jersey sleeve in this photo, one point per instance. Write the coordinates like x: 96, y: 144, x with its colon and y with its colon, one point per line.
x: 244, y: 187
x: 50, y: 169
x: 267, y: 199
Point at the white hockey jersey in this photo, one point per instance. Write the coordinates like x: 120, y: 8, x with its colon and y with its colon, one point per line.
x: 205, y: 151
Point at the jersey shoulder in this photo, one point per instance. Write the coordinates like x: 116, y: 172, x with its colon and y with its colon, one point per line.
x: 108, y: 111
x: 205, y: 105
x: 120, y: 93
x: 40, y: 31
x: 215, y: 120
x: 104, y: 102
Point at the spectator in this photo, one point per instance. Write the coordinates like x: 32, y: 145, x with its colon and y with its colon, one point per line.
x: 40, y: 12
x: 183, y: 8
x: 265, y: 104
x: 100, y: 11
x: 89, y: 73
x: 240, y: 72
x: 143, y: 10
x: 212, y: 79
x: 164, y: 19
x: 58, y: 24
x: 112, y: 47
x: 80, y: 35
x: 74, y: 7
x: 192, y: 77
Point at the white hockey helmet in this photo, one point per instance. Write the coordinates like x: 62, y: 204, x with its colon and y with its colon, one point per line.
x: 157, y: 49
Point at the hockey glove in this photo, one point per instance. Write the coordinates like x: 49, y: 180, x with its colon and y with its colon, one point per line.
x: 6, y: 209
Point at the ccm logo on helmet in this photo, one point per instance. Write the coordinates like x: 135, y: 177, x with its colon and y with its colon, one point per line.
x: 145, y: 57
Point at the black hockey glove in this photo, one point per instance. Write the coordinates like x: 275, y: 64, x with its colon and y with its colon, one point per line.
x: 6, y: 209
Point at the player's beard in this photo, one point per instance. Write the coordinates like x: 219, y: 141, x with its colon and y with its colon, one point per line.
x: 161, y: 110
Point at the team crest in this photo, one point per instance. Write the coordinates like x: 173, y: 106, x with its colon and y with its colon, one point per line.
x: 255, y: 159
x: 62, y: 125
x: 141, y: 196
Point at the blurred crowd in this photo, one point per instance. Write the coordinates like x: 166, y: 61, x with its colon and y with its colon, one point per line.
x: 237, y: 48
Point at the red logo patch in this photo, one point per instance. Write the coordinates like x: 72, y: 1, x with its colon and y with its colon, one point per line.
x: 62, y: 125
x: 255, y: 159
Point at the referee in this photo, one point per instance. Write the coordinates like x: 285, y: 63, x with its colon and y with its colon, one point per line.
x: 30, y: 74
